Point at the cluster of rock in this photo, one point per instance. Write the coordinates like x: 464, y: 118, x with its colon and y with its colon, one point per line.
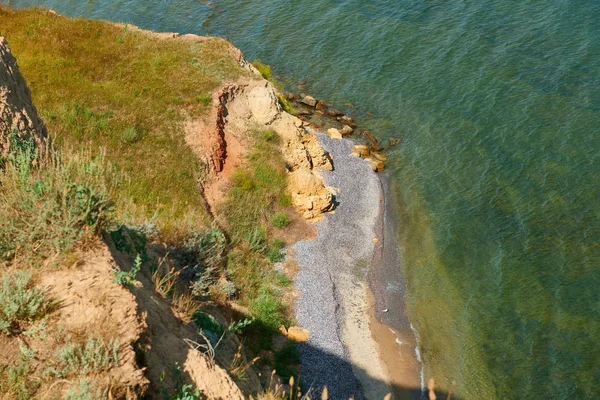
x: 18, y: 115
x: 371, y: 151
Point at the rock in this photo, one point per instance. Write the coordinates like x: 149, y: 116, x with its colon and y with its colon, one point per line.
x: 379, y: 156
x: 350, y: 105
x: 361, y: 150
x: 304, y: 112
x: 301, y: 87
x: 394, y: 141
x: 292, y: 96
x: 376, y: 165
x: 321, y: 106
x: 369, y: 136
x: 309, y: 101
x: 334, y: 133
x: 297, y: 334
x: 16, y: 107
x: 344, y: 119
x: 347, y: 130
x: 335, y: 113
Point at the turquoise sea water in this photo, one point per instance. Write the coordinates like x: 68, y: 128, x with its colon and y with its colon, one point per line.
x: 498, y: 103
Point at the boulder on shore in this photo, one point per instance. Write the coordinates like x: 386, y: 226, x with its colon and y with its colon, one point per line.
x: 309, y: 101
x: 334, y: 133
x: 360, y: 150
x: 347, y: 130
x: 344, y: 119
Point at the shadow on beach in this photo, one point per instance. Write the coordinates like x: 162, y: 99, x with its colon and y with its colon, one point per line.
x: 343, y: 384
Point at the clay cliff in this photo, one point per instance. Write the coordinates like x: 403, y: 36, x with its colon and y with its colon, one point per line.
x: 18, y: 115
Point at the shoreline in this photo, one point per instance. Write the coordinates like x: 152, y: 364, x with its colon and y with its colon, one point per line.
x: 338, y: 270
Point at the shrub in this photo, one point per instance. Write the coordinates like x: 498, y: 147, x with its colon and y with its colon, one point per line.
x: 94, y: 356
x: 49, y: 202
x: 280, y: 220
x: 275, y: 253
x: 127, y: 278
x: 228, y: 289
x: 19, y: 302
x: 267, y: 310
x: 130, y: 135
x: 84, y: 390
x: 16, y: 382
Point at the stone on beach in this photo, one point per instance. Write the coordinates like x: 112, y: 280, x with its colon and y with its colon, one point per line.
x: 360, y: 150
x: 347, y: 121
x: 334, y: 133
x: 309, y: 101
x: 347, y: 130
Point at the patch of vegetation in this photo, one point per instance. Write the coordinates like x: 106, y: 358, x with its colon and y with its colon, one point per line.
x: 76, y: 359
x: 48, y: 202
x: 127, y: 278
x: 108, y: 96
x: 16, y: 381
x: 264, y: 69
x: 85, y: 390
x: 280, y: 220
x: 268, y: 309
x: 20, y: 302
x: 275, y: 253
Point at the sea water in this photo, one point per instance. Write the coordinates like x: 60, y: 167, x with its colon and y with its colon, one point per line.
x: 498, y: 106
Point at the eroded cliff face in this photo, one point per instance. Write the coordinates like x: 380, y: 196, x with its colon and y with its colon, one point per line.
x: 18, y: 115
x: 252, y: 104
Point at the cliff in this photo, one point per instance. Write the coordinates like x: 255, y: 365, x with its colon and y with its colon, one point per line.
x: 18, y: 115
x: 140, y: 253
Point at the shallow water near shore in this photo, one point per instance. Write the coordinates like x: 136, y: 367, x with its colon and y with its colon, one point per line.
x: 497, y: 177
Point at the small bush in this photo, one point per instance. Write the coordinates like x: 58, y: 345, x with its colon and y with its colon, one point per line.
x: 130, y: 135
x: 257, y: 239
x: 188, y: 392
x: 19, y: 302
x: 16, y: 382
x: 280, y: 220
x: 84, y: 390
x: 267, y: 310
x: 127, y: 278
x: 76, y: 359
x: 228, y: 289
x: 275, y: 253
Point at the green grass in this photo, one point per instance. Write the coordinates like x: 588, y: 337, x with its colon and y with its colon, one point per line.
x: 258, y: 193
x: 98, y: 84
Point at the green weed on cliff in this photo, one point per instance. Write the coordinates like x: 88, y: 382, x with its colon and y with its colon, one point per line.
x: 259, y: 192
x: 48, y: 202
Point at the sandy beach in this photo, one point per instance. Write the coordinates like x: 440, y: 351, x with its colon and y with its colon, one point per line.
x: 355, y: 348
